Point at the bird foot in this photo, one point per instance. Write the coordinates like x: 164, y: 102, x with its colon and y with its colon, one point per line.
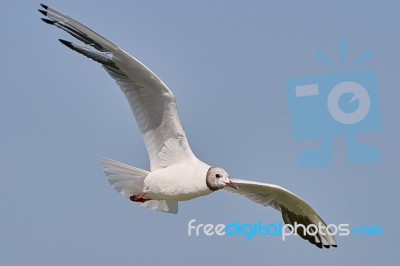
x: 138, y: 198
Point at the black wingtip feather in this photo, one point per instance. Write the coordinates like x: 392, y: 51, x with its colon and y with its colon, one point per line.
x: 48, y: 21
x: 43, y: 12
x: 66, y: 43
x: 44, y: 6
x: 290, y: 218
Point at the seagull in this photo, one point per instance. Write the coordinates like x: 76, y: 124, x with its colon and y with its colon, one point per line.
x: 176, y: 174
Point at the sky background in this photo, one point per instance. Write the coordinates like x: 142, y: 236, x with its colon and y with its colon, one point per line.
x: 227, y: 63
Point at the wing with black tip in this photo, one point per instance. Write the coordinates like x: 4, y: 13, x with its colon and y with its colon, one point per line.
x: 152, y: 103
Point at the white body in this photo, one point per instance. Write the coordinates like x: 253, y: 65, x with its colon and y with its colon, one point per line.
x: 188, y: 179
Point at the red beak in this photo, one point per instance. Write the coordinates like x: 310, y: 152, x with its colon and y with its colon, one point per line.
x: 232, y: 185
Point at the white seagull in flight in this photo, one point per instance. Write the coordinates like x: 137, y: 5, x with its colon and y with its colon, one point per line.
x: 176, y: 174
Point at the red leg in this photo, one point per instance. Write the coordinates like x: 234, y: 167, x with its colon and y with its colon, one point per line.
x: 138, y: 198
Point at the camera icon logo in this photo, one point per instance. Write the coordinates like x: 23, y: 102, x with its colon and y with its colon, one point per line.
x: 358, y: 92
x: 327, y: 106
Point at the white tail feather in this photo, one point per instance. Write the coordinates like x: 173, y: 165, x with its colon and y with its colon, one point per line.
x: 129, y: 180
x: 169, y: 206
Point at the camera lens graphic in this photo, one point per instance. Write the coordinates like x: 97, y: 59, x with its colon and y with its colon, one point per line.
x: 359, y: 93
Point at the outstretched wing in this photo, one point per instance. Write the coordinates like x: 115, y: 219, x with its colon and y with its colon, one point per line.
x: 294, y: 210
x: 151, y: 101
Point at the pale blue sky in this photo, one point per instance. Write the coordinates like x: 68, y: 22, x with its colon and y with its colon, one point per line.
x: 227, y: 63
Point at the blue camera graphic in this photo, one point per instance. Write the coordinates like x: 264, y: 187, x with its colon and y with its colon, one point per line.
x: 328, y: 106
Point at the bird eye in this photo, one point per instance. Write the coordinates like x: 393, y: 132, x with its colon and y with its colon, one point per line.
x: 217, y: 175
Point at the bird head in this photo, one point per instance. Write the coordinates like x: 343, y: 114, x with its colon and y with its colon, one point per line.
x: 218, y: 178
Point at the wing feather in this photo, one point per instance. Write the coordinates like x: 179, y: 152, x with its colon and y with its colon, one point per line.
x: 294, y: 209
x: 152, y: 103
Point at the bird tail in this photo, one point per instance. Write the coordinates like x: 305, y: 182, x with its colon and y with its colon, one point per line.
x: 129, y: 180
